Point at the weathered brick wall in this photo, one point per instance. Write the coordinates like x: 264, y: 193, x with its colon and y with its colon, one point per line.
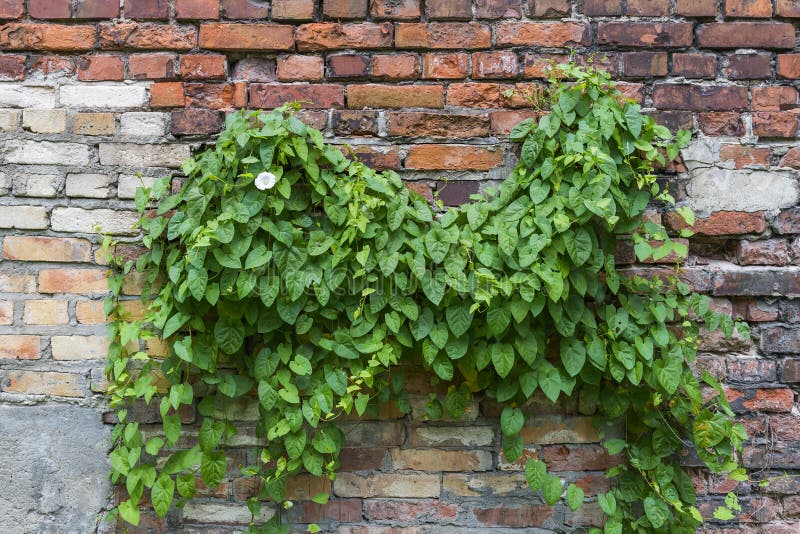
x: 94, y: 91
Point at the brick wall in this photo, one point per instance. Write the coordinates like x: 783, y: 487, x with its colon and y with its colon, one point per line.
x: 94, y: 91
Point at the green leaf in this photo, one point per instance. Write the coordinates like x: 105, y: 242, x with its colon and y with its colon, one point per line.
x: 185, y: 485
x: 211, y: 432
x: 154, y: 445
x: 502, y: 358
x: 574, y: 497
x: 511, y: 421
x: 535, y: 474
x: 656, y: 510
x: 321, y: 498
x: 129, y: 511
x: 607, y: 503
x: 172, y: 428
x: 300, y: 365
x: 723, y: 514
x: 530, y: 151
x: 213, y: 466
x: 550, y: 381
x: 161, y: 494
x: 573, y: 356
x: 459, y: 318
x: 551, y: 490
x: 295, y: 444
x: 229, y: 335
x: 513, y: 447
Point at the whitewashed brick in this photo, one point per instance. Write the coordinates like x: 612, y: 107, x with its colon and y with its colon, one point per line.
x: 103, y: 96
x: 79, y: 347
x: 41, y: 185
x: 23, y: 217
x: 5, y: 184
x: 87, y: 221
x: 127, y: 184
x: 140, y: 124
x: 9, y: 120
x: 133, y: 155
x: 87, y: 185
x: 14, y: 95
x: 222, y: 513
x: 45, y: 153
x: 715, y: 189
x: 45, y: 120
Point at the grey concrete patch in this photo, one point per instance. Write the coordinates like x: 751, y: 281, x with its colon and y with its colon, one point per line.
x: 713, y: 189
x: 53, y: 469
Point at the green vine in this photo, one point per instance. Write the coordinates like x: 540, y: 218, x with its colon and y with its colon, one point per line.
x: 284, y: 270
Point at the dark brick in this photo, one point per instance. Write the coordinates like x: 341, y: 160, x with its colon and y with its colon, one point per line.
x: 355, y: 122
x: 644, y: 64
x: 721, y: 123
x: 757, y: 282
x: 448, y: 9
x: 552, y: 9
x: 748, y: 66
x: 254, y: 70
x: 456, y: 192
x: 146, y: 9
x: 197, y: 121
x: 497, y: 9
x: 694, y: 65
x: 602, y: 8
x: 746, y: 35
x: 348, y: 66
x: 97, y: 9
x: 699, y: 98
x: 12, y: 67
x: 645, y: 34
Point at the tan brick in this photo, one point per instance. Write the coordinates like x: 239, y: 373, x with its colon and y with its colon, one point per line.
x: 79, y: 347
x: 31, y: 248
x: 93, y: 124
x: 82, y: 281
x: 9, y: 120
x: 44, y: 120
x: 20, y: 347
x: 17, y: 282
x: 387, y: 485
x: 6, y: 312
x: 441, y: 460
x: 455, y: 157
x: 45, y: 312
x: 43, y: 383
x: 87, y: 185
x: 544, y: 430
x: 90, y: 312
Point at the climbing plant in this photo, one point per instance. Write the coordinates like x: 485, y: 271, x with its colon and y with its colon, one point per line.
x: 282, y: 269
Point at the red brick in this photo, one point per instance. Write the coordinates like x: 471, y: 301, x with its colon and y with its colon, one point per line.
x: 514, y: 516
x: 503, y: 122
x: 788, y: 66
x: 792, y: 158
x: 745, y: 156
x: 389, y: 96
x: 424, y: 124
x: 211, y: 95
x: 774, y: 98
x: 256, y: 69
x: 454, y: 35
x: 101, y: 67
x: 746, y: 35
x: 49, y: 9
x: 197, y: 121
x: 333, y: 36
x: 721, y: 123
x: 11, y: 9
x: 696, y: 8
x: 197, y: 9
x: 781, y: 124
x: 395, y: 9
x: 771, y: 400
x: 216, y: 36
x: 202, y: 66
x: 748, y: 66
x: 151, y: 66
x: 601, y: 8
x: 448, y: 9
x: 146, y: 9
x: 787, y: 8
x: 409, y: 511
x: 345, y: 9
x: 699, y: 98
x: 694, y: 65
x: 648, y: 8
x: 722, y: 223
x: 395, y: 67
x: 348, y: 66
x: 445, y: 65
x: 12, y: 67
x: 53, y: 64
x: 314, y: 96
x: 765, y: 252
x: 244, y: 9
x: 297, y: 68
x: 19, y: 347
x: 292, y: 9
x: 167, y: 95
x: 536, y: 64
x: 748, y: 8
x: 453, y: 157
x: 49, y: 37
x: 549, y: 34
x: 477, y: 95
x: 97, y: 9
x: 354, y: 122
x: 499, y: 9
x: 148, y: 36
x: 644, y: 64
x: 645, y: 34
x: 494, y: 65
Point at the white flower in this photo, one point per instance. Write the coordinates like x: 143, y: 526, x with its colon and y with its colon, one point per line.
x: 265, y: 180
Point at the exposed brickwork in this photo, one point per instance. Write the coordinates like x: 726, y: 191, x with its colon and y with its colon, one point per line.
x: 93, y: 92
